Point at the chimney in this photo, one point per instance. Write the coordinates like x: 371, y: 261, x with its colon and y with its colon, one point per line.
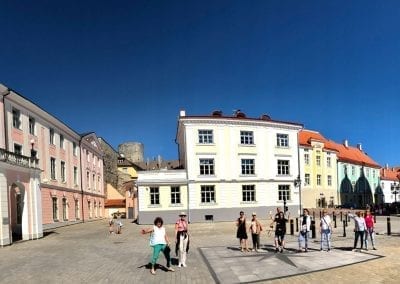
x: 182, y: 112
x: 346, y: 143
x: 359, y: 146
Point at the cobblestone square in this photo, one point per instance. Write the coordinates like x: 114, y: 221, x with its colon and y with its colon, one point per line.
x: 87, y: 253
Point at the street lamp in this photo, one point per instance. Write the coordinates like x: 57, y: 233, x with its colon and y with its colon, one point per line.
x: 395, y: 187
x: 297, y: 183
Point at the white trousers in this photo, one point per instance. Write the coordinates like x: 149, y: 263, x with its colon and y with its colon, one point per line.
x: 182, y: 248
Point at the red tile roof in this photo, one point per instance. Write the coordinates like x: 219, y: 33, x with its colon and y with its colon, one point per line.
x: 114, y: 203
x: 353, y: 155
x: 390, y: 174
x: 345, y: 154
x: 307, y: 136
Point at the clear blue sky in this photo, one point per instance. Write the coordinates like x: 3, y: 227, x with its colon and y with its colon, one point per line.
x: 128, y: 67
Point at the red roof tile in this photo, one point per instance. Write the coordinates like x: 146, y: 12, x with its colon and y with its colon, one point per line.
x: 114, y: 203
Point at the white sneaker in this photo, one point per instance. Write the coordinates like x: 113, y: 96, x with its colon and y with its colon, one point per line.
x: 184, y: 264
x: 180, y: 265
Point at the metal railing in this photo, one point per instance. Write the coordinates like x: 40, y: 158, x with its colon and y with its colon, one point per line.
x: 19, y: 160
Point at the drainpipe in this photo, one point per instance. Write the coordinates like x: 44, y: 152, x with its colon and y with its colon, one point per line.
x: 4, y: 94
x: 80, y: 162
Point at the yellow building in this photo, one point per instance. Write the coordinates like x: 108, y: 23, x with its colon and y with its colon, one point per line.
x: 318, y: 167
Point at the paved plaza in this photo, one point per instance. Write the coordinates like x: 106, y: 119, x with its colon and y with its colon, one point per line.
x: 86, y: 253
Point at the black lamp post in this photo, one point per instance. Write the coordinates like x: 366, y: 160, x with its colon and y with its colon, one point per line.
x: 297, y: 183
x: 395, y: 190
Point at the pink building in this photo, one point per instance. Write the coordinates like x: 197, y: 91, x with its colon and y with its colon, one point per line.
x: 50, y: 176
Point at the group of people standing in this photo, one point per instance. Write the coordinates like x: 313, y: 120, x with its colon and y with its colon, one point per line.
x: 160, y: 242
x: 364, y: 229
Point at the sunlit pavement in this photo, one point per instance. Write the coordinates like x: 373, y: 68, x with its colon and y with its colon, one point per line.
x: 87, y: 253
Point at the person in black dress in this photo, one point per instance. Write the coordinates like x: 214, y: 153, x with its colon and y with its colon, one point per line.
x: 241, y: 232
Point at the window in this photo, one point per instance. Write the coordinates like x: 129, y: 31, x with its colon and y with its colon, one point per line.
x: 367, y: 172
x: 61, y: 141
x: 75, y: 176
x: 94, y: 182
x: 307, y: 179
x: 52, y: 136
x: 53, y: 168
x: 77, y: 210
x: 282, y: 140
x: 16, y: 116
x: 353, y: 170
x: 306, y: 158
x: 64, y: 209
x: 328, y: 162
x: 283, y: 167
x: 154, y: 195
x: 32, y: 125
x: 318, y: 160
x: 318, y: 179
x: 246, y: 137
x: 88, y: 179
x: 98, y: 181
x: 329, y: 180
x: 206, y: 137
x: 248, y: 167
x: 63, y: 179
x: 283, y: 192
x: 207, y: 194
x: 248, y: 193
x: 55, y: 209
x: 17, y: 149
x: 175, y: 195
x: 206, y: 166
x: 75, y: 149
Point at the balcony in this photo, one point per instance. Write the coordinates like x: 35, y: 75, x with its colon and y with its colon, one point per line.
x: 19, y: 160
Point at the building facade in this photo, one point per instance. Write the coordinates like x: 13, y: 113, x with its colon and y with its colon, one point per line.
x: 318, y: 171
x: 42, y: 175
x: 358, y: 176
x: 237, y: 163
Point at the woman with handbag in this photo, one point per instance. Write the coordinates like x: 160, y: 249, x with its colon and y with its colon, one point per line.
x: 305, y: 229
x: 326, y: 230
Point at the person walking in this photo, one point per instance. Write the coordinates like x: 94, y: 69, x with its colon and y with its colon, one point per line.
x: 160, y: 243
x: 255, y: 230
x: 359, y: 229
x: 305, y: 230
x: 181, y: 239
x: 326, y: 230
x: 370, y: 230
x: 241, y: 232
x: 280, y: 231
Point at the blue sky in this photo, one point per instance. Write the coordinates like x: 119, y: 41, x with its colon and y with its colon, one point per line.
x: 128, y: 67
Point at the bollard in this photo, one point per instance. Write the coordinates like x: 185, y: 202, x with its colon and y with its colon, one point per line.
x: 320, y: 214
x: 334, y: 220
x: 345, y: 217
x: 297, y: 224
x: 344, y: 228
x: 374, y: 218
x: 389, y: 231
x: 313, y: 229
x: 313, y: 215
x: 291, y: 227
x: 341, y: 216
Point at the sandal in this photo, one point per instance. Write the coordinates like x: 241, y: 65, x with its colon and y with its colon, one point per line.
x: 152, y: 271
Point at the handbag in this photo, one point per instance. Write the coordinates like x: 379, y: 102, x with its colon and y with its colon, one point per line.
x: 326, y: 231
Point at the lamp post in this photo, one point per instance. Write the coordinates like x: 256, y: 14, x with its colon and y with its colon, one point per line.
x: 395, y: 187
x: 297, y: 183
